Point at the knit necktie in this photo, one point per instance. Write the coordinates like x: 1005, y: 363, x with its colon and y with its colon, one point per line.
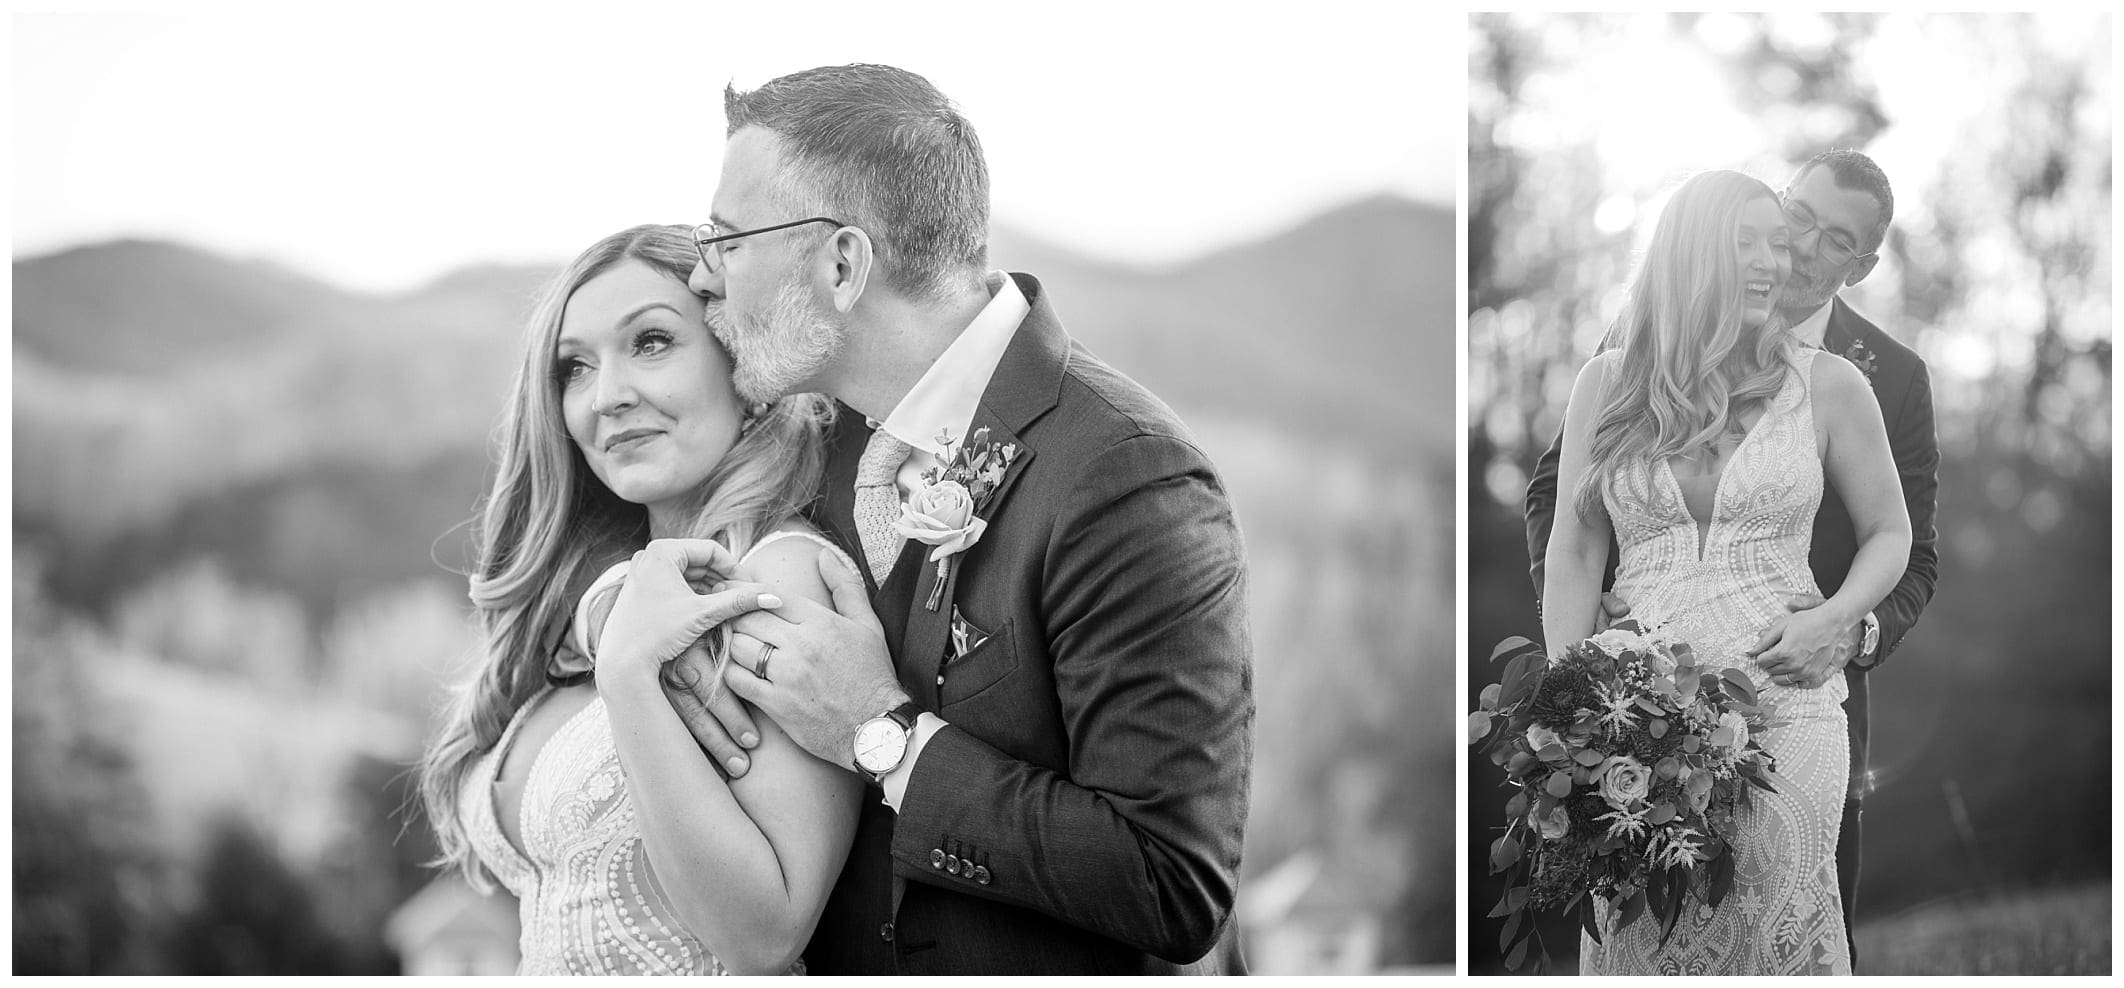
x: 877, y: 501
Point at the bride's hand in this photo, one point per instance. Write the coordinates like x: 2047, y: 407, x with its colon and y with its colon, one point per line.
x: 1806, y: 647
x: 659, y: 614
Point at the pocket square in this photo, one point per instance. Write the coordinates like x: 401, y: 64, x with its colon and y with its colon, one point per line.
x: 965, y: 637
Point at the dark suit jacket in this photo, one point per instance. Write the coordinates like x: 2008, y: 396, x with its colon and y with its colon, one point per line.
x: 1904, y: 388
x: 1084, y: 810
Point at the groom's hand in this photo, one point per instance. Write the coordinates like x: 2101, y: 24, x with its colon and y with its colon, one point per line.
x: 721, y: 726
x: 1788, y: 663
x: 828, y: 671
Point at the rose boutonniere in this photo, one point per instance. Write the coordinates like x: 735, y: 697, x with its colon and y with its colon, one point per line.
x: 1863, y: 358
x: 945, y: 513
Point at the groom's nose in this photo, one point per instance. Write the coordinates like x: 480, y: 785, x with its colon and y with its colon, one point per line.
x: 705, y: 283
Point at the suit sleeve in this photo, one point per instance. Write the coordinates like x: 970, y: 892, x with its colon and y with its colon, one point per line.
x: 1541, y: 519
x: 1916, y: 446
x: 1541, y: 510
x: 1145, y: 602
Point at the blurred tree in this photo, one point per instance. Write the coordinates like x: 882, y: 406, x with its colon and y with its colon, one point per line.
x: 85, y: 887
x: 252, y: 915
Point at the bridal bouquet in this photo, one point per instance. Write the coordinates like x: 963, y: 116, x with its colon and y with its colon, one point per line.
x: 1629, y: 759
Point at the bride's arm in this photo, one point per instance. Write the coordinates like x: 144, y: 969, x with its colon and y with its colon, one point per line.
x: 1578, y: 544
x: 747, y: 863
x: 1859, y: 463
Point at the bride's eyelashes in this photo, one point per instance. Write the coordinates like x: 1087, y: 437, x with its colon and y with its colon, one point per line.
x: 650, y: 342
x: 570, y: 370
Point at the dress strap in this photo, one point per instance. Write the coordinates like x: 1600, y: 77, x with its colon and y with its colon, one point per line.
x: 1800, y: 383
x: 501, y: 747
x: 786, y: 533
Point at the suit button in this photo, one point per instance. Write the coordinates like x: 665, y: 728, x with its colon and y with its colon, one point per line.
x: 980, y: 874
x: 936, y: 858
x: 885, y: 933
x: 951, y: 864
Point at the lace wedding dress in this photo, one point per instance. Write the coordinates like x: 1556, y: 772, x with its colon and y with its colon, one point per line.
x: 1717, y: 587
x: 588, y: 899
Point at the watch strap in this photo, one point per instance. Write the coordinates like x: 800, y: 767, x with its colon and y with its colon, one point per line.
x: 905, y: 714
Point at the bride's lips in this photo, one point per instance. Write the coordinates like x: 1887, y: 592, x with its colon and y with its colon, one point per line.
x: 630, y: 438
x: 1759, y: 289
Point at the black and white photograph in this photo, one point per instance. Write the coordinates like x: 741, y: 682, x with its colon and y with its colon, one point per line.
x: 692, y: 489
x: 1789, y: 460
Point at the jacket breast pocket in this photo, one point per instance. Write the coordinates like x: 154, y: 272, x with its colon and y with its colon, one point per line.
x: 967, y: 676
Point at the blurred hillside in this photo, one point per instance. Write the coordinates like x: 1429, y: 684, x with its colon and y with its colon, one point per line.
x: 239, y: 497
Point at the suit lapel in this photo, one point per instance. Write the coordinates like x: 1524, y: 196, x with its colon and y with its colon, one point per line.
x: 1837, y: 336
x: 929, y: 631
x: 1025, y: 385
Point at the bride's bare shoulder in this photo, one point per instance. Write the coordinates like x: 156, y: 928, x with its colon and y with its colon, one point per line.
x: 1593, y: 377
x: 1837, y: 383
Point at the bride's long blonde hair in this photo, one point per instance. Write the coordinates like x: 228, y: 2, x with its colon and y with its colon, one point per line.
x: 1688, y: 362
x: 547, y: 519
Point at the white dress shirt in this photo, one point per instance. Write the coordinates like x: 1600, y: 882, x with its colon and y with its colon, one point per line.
x: 943, y: 403
x: 1812, y: 330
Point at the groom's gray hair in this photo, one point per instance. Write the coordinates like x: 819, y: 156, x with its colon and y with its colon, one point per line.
x: 879, y: 148
x: 1853, y: 170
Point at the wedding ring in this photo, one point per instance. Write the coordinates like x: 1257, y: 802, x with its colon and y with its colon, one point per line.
x: 766, y: 652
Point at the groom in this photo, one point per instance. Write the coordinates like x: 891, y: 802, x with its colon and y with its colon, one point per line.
x: 1838, y: 208
x: 1050, y: 686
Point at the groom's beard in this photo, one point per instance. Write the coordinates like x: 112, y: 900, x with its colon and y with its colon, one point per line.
x: 1804, y: 293
x: 782, y: 346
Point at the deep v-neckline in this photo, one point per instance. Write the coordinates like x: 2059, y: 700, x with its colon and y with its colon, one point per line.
x: 501, y: 762
x: 1718, y: 484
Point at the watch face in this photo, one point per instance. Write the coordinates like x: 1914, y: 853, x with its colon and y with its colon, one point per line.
x: 879, y: 744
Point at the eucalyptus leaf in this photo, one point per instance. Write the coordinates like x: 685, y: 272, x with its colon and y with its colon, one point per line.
x: 1632, y: 907
x: 1512, y: 645
x: 1559, y: 784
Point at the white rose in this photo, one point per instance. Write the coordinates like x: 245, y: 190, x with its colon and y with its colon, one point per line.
x: 941, y: 515
x: 1625, y: 781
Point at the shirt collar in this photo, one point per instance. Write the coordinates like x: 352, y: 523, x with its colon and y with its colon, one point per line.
x: 1813, y: 329
x: 944, y: 400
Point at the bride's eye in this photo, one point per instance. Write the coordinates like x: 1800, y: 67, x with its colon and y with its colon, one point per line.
x: 570, y: 370
x: 652, y: 341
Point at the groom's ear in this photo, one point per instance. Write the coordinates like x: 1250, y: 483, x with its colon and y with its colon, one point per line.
x: 849, y: 258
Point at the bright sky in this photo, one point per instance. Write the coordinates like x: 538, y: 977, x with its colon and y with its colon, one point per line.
x: 381, y: 146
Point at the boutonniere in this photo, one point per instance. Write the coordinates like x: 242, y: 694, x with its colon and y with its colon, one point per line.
x: 946, y: 513
x: 1864, y: 358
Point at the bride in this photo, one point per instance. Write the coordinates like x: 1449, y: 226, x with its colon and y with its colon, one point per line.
x: 1701, y: 444
x: 581, y: 790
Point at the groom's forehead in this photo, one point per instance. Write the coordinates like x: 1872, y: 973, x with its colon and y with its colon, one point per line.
x: 1852, y: 209
x: 750, y: 160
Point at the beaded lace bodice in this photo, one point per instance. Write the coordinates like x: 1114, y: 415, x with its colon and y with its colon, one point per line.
x: 1717, y: 586
x: 588, y: 899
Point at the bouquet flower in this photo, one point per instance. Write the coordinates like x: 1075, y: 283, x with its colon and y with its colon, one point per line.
x: 1629, y: 759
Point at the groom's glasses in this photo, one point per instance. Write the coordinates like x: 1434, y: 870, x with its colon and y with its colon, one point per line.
x: 708, y: 238
x: 1833, y: 248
